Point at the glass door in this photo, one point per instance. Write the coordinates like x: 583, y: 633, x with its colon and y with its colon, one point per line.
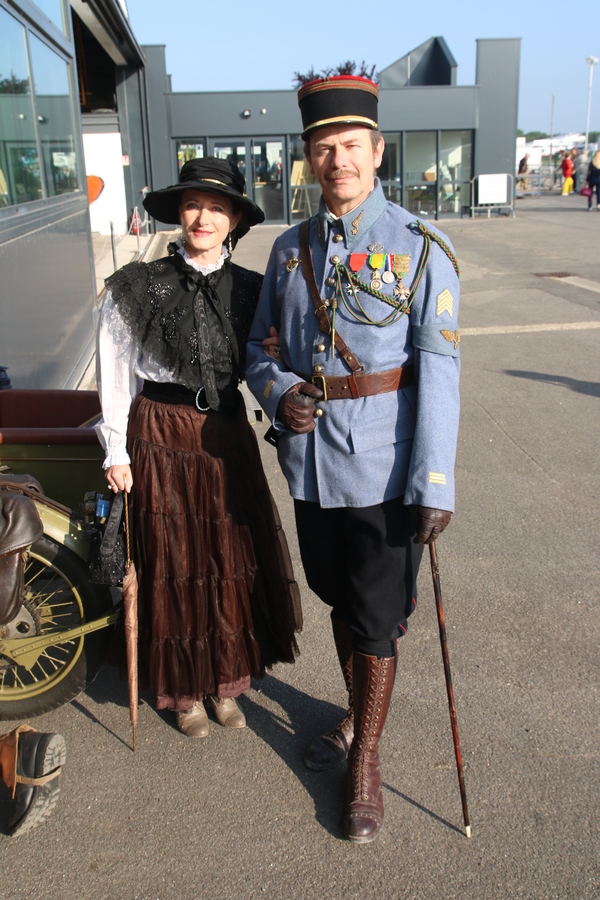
x: 261, y: 162
x: 237, y: 151
x: 267, y: 177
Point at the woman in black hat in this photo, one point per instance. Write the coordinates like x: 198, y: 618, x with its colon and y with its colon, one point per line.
x: 217, y: 597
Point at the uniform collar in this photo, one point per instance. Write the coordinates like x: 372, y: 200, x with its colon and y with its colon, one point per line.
x: 354, y: 224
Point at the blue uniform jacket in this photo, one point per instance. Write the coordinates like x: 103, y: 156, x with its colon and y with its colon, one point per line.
x: 370, y: 449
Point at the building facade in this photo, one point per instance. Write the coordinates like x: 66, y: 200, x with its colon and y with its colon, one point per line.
x: 48, y: 303
x: 438, y: 135
x: 80, y: 97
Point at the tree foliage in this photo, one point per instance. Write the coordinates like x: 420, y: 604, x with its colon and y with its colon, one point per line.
x: 535, y: 136
x: 14, y: 85
x: 348, y: 67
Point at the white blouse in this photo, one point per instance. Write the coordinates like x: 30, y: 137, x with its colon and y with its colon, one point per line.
x: 122, y: 365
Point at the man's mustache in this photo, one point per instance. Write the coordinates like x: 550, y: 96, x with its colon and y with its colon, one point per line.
x: 338, y: 173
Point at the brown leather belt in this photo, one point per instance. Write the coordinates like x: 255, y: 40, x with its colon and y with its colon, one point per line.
x: 349, y: 387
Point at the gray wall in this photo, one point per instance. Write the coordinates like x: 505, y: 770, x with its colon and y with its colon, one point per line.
x: 159, y: 126
x: 131, y: 103
x: 428, y: 108
x: 219, y: 114
x: 497, y: 77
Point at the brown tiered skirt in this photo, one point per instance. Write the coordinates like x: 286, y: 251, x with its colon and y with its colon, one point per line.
x: 217, y: 597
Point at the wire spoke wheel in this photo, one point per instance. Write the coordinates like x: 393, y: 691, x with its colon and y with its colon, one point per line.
x: 58, y: 596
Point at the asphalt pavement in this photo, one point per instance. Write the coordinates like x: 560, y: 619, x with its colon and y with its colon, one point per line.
x: 239, y: 816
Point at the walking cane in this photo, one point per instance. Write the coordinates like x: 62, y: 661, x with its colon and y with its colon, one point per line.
x: 437, y: 589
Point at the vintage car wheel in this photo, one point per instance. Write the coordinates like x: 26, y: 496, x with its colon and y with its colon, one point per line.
x: 58, y: 596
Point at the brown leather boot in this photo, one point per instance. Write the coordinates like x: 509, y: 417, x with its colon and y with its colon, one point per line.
x: 373, y: 686
x: 331, y: 749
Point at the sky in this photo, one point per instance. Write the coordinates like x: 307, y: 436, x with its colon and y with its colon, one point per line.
x: 236, y: 45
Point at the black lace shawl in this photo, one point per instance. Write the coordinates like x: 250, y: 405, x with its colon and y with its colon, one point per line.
x: 194, y: 325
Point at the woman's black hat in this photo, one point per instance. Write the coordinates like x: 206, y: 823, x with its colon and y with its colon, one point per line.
x: 215, y: 176
x: 339, y: 100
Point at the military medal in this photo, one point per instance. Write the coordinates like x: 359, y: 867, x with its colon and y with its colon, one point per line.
x: 375, y: 248
x: 388, y: 276
x: 357, y: 261
x: 400, y: 264
x: 376, y: 261
x: 401, y: 290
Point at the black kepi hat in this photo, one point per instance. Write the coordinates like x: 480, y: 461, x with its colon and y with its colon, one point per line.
x: 214, y: 176
x: 341, y: 99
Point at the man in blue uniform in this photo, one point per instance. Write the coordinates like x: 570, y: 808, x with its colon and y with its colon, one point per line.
x: 362, y: 388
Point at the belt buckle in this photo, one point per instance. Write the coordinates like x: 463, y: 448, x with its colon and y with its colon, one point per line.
x: 322, y: 386
x: 198, y: 407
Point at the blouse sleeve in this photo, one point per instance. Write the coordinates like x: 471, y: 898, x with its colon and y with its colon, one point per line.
x: 117, y: 353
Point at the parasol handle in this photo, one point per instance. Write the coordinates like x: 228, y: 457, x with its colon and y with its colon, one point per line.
x: 126, y: 519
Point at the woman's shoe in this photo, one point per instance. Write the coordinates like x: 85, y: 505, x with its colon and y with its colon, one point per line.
x: 193, y: 722
x: 228, y: 713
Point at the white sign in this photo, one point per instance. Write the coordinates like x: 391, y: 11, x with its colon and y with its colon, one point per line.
x: 492, y: 189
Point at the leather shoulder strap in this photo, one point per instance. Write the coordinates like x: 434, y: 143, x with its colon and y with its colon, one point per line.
x: 320, y: 308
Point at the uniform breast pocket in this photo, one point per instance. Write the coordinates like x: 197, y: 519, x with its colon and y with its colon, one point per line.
x: 384, y: 431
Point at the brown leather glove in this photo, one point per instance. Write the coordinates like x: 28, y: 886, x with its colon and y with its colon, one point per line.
x: 297, y: 407
x: 429, y: 523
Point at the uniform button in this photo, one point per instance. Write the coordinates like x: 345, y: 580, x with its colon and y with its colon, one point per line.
x: 318, y: 412
x: 330, y: 281
x: 320, y: 348
x: 338, y: 237
x: 334, y: 260
x: 318, y: 370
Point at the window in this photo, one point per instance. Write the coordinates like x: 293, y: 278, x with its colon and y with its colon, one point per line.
x: 420, y: 172
x: 187, y: 150
x: 52, y: 9
x: 454, y: 171
x: 305, y: 191
x: 20, y: 175
x: 38, y: 133
x: 56, y: 119
x: 389, y: 172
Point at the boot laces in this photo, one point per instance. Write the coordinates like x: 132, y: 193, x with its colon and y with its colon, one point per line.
x: 364, y: 745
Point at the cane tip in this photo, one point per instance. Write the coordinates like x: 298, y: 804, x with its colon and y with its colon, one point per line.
x: 134, y: 745
x: 468, y: 830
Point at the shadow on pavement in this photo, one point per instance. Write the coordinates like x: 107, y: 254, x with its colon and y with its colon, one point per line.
x: 307, y: 717
x: 424, y: 809
x: 592, y: 388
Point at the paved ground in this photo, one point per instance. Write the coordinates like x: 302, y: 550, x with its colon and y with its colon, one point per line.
x: 238, y: 815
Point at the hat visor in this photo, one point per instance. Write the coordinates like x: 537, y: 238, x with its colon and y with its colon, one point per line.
x: 163, y: 205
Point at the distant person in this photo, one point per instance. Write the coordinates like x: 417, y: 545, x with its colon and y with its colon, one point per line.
x: 593, y: 179
x: 575, y: 169
x: 567, y: 171
x: 522, y: 172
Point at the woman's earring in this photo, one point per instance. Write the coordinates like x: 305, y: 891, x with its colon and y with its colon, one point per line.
x: 229, y: 244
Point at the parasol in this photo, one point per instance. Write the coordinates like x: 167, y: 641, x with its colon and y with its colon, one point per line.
x: 130, y: 596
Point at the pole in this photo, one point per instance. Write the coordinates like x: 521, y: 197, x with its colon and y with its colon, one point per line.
x: 114, y: 249
x: 137, y: 220
x: 592, y: 60
x: 437, y: 589
x: 551, y: 139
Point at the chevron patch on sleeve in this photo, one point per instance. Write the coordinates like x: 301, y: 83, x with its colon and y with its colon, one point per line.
x: 445, y: 303
x: 437, y: 478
